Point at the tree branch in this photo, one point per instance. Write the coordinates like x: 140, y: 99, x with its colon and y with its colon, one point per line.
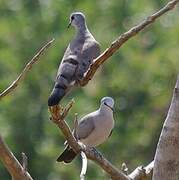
x: 12, y: 164
x: 26, y: 69
x: 121, y: 41
x: 166, y: 161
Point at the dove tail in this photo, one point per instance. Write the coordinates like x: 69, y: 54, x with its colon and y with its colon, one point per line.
x: 57, y: 94
x: 67, y: 156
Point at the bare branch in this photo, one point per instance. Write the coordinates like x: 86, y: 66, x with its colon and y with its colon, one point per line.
x: 166, y: 161
x: 90, y: 152
x: 12, y: 164
x: 57, y: 116
x: 67, y: 108
x: 142, y: 173
x: 121, y: 41
x: 26, y: 69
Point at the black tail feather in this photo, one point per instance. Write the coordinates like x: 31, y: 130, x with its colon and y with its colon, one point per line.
x: 56, y: 96
x: 67, y: 156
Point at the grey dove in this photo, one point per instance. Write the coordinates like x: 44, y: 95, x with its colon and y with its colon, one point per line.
x: 93, y: 129
x: 76, y: 60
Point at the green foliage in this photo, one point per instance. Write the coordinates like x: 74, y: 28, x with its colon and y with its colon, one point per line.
x: 140, y: 77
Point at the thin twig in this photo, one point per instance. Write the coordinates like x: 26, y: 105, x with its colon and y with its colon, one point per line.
x: 58, y: 119
x: 26, y: 69
x: 121, y: 41
x: 84, y: 161
x: 67, y: 108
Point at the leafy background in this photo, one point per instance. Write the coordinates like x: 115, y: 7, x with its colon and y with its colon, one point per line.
x: 140, y: 77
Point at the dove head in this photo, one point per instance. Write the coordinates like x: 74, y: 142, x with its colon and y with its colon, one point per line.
x: 77, y: 19
x: 107, y: 101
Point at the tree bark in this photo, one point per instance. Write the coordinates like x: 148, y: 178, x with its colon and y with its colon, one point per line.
x: 166, y: 161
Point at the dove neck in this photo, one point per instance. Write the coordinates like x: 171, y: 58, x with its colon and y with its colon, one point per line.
x: 105, y: 109
x: 82, y: 29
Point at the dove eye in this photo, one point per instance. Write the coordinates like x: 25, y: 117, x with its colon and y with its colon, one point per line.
x: 72, y: 18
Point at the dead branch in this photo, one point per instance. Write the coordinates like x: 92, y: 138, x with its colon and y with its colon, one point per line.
x: 26, y: 69
x: 12, y: 164
x: 57, y: 116
x: 166, y: 161
x: 122, y: 39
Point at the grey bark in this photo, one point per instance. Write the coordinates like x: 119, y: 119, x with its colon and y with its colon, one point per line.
x: 166, y: 161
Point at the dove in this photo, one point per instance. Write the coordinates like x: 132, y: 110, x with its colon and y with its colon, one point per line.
x: 93, y: 129
x: 80, y: 53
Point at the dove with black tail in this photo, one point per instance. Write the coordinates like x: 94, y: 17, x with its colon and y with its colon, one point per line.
x: 76, y: 60
x: 93, y: 129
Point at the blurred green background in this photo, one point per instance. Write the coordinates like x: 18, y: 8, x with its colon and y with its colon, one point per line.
x: 140, y: 77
